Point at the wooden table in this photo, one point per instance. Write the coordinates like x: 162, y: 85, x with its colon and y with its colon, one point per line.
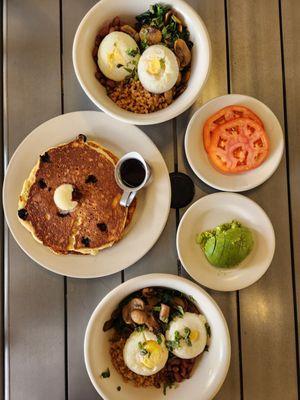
x: 256, y: 51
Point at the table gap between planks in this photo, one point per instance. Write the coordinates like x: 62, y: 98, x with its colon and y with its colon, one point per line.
x: 256, y: 50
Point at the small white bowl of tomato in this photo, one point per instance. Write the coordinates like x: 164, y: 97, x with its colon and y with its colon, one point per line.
x: 234, y: 143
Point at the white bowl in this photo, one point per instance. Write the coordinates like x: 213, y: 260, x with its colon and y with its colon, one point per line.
x: 198, y: 158
x: 216, y: 209
x: 209, y: 373
x: 85, y: 68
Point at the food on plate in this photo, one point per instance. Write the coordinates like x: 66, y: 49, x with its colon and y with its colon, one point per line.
x: 158, y: 69
x: 144, y: 66
x: 188, y: 335
x: 158, y: 335
x: 143, y: 354
x: 224, y: 115
x: 226, y: 245
x: 238, y: 146
x: 70, y: 201
x: 114, y: 59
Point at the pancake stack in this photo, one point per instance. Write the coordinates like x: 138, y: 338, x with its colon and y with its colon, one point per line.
x: 97, y: 222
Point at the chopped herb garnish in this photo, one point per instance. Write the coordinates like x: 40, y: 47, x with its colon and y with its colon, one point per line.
x: 181, y: 310
x: 143, y: 351
x: 118, y: 388
x: 130, y: 70
x: 140, y: 328
x: 208, y: 330
x: 132, y: 52
x: 156, y: 308
x: 120, y: 65
x: 106, y: 374
x: 186, y: 336
x: 159, y: 338
x: 191, y: 298
x: 162, y: 63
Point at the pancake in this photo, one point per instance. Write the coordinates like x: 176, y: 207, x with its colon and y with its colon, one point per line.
x: 97, y: 222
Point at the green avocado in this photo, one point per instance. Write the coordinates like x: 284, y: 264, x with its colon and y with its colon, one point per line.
x: 227, y: 245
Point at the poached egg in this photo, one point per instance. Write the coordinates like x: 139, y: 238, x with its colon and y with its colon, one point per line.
x: 144, y: 354
x: 158, y: 69
x: 188, y: 335
x: 118, y: 53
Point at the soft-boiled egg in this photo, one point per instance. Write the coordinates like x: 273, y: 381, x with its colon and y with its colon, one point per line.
x: 117, y: 55
x: 145, y: 353
x: 158, y: 69
x: 187, y: 335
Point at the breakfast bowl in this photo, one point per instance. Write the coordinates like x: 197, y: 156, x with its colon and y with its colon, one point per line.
x: 86, y: 67
x: 104, y: 368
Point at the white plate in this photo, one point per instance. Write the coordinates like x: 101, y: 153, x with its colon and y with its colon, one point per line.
x: 216, y: 209
x: 209, y: 372
x: 199, y: 161
x: 153, y: 202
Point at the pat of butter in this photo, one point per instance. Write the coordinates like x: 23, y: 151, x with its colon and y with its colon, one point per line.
x: 63, y: 198
x: 154, y: 66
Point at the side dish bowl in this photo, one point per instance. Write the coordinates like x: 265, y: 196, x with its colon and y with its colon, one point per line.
x: 210, y: 371
x: 85, y: 69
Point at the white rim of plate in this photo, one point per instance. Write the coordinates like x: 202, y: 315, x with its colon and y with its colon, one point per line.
x: 50, y: 268
x: 273, y: 241
x: 199, y: 174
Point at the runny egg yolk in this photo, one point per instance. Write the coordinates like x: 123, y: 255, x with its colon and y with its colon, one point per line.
x: 154, y: 354
x: 193, y: 336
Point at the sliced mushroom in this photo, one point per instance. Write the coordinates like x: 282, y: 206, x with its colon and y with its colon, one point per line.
x: 164, y: 313
x: 131, y: 31
x: 168, y: 16
x: 139, y: 317
x: 150, y: 35
x: 151, y: 323
x: 134, y: 304
x: 179, y: 301
x: 182, y: 52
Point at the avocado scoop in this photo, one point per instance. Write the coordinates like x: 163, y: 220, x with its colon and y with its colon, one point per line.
x: 226, y: 245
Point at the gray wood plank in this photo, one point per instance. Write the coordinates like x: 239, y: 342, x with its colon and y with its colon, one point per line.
x: 291, y: 45
x: 266, y: 307
x: 213, y: 15
x: 36, y: 319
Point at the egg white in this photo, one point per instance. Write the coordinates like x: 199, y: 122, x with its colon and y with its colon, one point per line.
x: 166, y: 77
x: 196, y: 324
x: 136, y: 361
x: 113, y: 52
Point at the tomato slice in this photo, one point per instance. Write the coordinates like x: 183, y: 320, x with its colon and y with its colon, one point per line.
x: 224, y: 115
x: 238, y: 145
